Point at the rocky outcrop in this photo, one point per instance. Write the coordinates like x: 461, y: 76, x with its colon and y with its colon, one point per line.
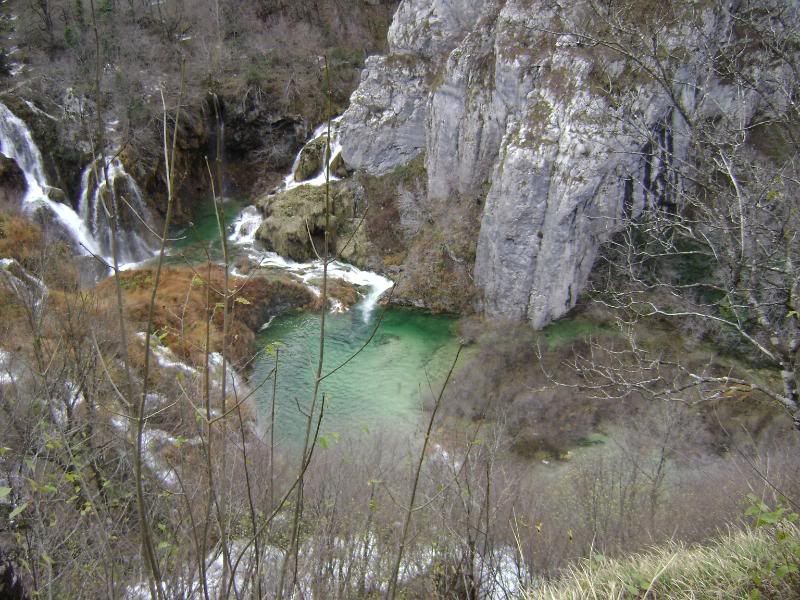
x: 12, y: 182
x: 339, y: 168
x: 294, y: 220
x: 389, y: 106
x: 311, y: 158
x: 538, y: 141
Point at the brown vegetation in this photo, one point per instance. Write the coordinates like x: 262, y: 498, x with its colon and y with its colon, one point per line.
x: 19, y: 239
x: 190, y: 298
x: 549, y: 390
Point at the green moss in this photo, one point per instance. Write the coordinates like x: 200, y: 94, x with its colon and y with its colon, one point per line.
x: 411, y: 171
x: 292, y: 215
x: 566, y: 331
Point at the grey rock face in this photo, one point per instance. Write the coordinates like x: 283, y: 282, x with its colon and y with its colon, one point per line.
x: 385, y: 124
x: 431, y: 28
x: 470, y: 122
x: 559, y: 141
x: 12, y: 182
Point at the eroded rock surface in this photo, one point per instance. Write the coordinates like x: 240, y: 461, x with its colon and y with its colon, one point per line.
x: 536, y: 142
x: 12, y: 182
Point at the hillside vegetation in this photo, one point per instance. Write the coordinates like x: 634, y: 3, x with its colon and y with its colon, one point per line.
x: 603, y: 196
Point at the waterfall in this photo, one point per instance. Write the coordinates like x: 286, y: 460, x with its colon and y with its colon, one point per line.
x: 245, y: 226
x: 16, y: 142
x: 243, y: 232
x: 134, y: 238
x: 89, y: 227
x: 335, y: 148
x: 310, y: 271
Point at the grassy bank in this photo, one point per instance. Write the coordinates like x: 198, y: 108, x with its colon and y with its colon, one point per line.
x: 752, y: 563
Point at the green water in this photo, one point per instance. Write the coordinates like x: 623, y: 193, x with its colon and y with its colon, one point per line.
x: 196, y: 242
x: 383, y: 389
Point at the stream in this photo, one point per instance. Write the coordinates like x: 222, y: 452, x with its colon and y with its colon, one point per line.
x: 384, y: 388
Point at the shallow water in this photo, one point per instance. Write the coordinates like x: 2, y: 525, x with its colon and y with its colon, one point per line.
x: 200, y: 239
x: 384, y: 388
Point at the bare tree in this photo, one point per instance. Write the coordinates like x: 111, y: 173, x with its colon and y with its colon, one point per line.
x: 715, y: 242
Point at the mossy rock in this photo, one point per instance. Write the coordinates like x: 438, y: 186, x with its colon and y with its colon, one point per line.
x: 311, y: 160
x: 292, y: 215
x: 339, y: 167
x: 353, y: 244
x: 55, y: 194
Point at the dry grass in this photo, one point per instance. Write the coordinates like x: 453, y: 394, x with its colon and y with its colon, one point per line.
x: 187, y: 299
x: 19, y: 238
x: 742, y: 564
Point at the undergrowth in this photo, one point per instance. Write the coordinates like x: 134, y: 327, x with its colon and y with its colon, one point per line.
x: 757, y: 562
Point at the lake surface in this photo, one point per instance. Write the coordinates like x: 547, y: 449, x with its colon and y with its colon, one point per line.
x: 384, y: 388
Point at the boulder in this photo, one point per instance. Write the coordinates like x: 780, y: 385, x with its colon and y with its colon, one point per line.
x: 312, y: 158
x: 339, y: 168
x: 294, y: 220
x: 12, y: 182
x: 55, y: 194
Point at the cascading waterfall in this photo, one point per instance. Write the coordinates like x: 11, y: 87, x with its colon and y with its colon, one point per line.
x: 16, y: 142
x: 134, y: 237
x: 311, y: 271
x: 289, y: 181
x: 219, y: 145
x: 244, y: 228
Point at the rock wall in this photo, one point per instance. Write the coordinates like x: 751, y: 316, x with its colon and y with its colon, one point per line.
x: 554, y: 137
x: 12, y: 182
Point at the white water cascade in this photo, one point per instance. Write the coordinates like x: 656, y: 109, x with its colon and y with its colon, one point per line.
x: 134, y: 237
x: 245, y: 226
x: 16, y: 142
x: 289, y: 181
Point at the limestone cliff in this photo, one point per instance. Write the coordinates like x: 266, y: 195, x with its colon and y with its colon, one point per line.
x: 539, y: 134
